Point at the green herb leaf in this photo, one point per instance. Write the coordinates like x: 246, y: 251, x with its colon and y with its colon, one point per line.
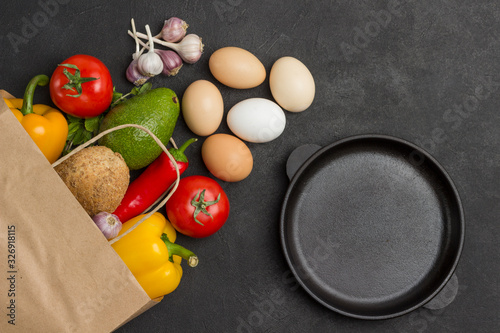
x: 87, y: 136
x: 81, y: 130
x: 116, y: 95
x: 134, y: 91
x: 144, y: 88
x: 92, y: 124
x: 73, y: 128
x: 78, y: 138
x: 73, y: 119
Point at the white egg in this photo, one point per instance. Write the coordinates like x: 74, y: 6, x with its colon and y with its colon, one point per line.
x: 256, y: 120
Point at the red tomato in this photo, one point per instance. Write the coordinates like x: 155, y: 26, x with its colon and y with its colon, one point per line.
x: 90, y: 77
x: 199, y: 207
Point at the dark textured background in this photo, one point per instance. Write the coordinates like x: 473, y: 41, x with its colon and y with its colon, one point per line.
x: 425, y: 71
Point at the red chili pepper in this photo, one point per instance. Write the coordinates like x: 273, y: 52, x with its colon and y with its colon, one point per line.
x: 152, y: 183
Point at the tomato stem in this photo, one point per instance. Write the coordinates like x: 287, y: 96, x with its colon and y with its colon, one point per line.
x: 201, y: 205
x: 39, y: 80
x: 75, y: 80
x: 178, y: 250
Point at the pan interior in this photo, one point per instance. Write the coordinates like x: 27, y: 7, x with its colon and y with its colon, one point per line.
x: 370, y: 230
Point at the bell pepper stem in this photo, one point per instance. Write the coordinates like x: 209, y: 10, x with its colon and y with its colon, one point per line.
x: 178, y: 250
x: 39, y: 80
x: 178, y: 153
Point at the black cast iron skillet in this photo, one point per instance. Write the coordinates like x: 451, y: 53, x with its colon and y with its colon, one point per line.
x: 372, y: 226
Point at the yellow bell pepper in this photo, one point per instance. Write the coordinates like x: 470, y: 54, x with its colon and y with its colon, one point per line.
x: 151, y: 255
x: 45, y: 125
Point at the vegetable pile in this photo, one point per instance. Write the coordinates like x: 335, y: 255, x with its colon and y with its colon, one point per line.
x: 100, y: 136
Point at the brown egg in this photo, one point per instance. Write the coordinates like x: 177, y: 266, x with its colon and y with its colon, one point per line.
x: 237, y: 68
x: 202, y: 107
x: 227, y: 157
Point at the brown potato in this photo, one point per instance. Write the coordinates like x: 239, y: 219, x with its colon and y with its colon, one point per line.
x: 97, y: 177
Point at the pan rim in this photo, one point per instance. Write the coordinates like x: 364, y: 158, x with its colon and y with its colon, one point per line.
x: 447, y: 179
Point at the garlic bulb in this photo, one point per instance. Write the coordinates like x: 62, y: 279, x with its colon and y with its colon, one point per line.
x: 172, y: 62
x: 109, y: 224
x: 189, y: 48
x: 174, y: 29
x: 150, y: 63
x: 133, y: 74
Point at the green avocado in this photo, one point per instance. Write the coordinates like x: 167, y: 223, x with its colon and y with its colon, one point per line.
x: 157, y: 110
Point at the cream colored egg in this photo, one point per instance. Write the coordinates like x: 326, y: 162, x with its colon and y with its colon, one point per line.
x: 292, y: 84
x: 237, y: 68
x: 202, y: 107
x: 227, y: 157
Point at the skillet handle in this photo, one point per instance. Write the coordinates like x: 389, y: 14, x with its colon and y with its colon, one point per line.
x: 298, y: 156
x: 445, y: 296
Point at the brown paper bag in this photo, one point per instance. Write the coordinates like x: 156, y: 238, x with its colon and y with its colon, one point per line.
x: 57, y: 271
